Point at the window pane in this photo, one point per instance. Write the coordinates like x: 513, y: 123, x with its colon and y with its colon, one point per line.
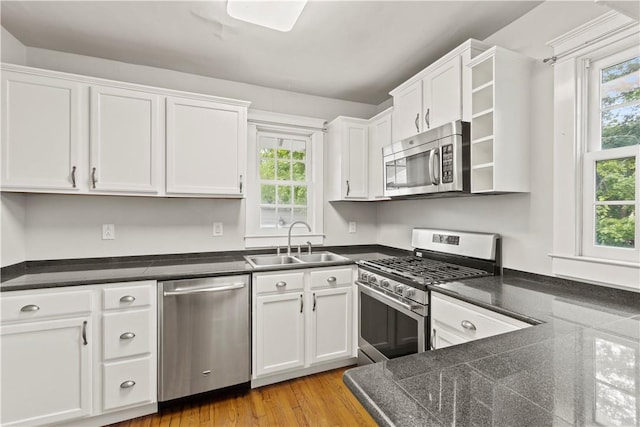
x: 616, y: 179
x: 620, y: 83
x: 615, y: 226
x: 621, y: 126
x: 299, y: 172
x: 267, y: 153
x: 267, y: 217
x: 284, y: 171
x: 268, y: 194
x: 300, y: 195
x: 284, y: 217
x: 299, y: 214
x: 299, y: 150
x: 284, y: 154
x: 267, y: 169
x: 284, y: 195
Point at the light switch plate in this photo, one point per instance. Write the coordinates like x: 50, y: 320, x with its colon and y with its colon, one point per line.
x: 218, y: 229
x: 108, y: 231
x: 352, y: 226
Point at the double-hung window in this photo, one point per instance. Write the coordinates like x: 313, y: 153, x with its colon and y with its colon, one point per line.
x: 610, y: 182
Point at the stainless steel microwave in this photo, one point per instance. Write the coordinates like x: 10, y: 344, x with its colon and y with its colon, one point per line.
x: 436, y: 162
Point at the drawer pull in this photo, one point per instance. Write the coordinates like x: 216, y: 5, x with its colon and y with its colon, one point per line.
x: 30, y: 307
x: 331, y: 280
x: 84, y: 333
x: 127, y: 384
x: 281, y: 284
x: 127, y: 298
x: 468, y: 325
x: 207, y: 372
x: 127, y: 336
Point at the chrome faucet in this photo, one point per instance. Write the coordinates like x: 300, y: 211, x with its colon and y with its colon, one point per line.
x: 291, y: 228
x: 309, y: 246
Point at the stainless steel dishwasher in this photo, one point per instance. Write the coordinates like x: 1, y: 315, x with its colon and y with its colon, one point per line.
x: 204, y: 335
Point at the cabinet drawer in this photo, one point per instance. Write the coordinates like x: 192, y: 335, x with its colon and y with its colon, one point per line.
x: 129, y: 296
x: 455, y: 313
x: 128, y: 383
x: 331, y: 278
x: 279, y: 282
x: 127, y: 333
x: 36, y: 305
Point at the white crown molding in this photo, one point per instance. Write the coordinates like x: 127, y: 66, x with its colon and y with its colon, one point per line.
x: 268, y: 117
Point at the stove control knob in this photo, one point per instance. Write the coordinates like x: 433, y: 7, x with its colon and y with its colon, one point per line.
x: 408, y: 292
x: 384, y: 283
x: 399, y: 288
x: 364, y: 275
x: 373, y: 279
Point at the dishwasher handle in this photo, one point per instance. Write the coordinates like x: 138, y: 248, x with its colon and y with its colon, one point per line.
x: 202, y: 290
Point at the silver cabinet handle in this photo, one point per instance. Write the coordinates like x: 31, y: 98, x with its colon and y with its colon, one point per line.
x: 332, y: 280
x: 127, y: 298
x: 127, y: 384
x: 348, y: 188
x: 73, y: 177
x: 127, y: 336
x: 416, y: 122
x: 314, y: 302
x: 301, y: 303
x: 84, y: 333
x: 281, y: 284
x: 433, y: 340
x: 241, y: 183
x: 468, y: 325
x: 93, y: 177
x: 30, y: 307
x: 201, y: 290
x: 426, y: 118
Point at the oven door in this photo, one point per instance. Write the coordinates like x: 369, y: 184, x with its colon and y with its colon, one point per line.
x: 387, y: 328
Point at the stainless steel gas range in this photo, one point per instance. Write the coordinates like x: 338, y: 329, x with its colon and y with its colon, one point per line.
x: 393, y: 298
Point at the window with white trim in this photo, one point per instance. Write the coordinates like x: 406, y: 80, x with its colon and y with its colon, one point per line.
x: 610, y: 180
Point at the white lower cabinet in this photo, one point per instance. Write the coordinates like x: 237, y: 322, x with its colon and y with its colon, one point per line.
x: 455, y: 322
x: 302, y: 322
x: 68, y: 359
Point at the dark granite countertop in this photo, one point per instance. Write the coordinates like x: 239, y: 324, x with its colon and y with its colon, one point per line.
x: 57, y: 273
x: 578, y: 366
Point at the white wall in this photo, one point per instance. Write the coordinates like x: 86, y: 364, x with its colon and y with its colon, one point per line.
x: 524, y: 220
x: 11, y: 49
x: 12, y: 233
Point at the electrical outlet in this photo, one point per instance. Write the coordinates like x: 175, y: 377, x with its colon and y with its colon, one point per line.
x: 108, y: 231
x: 352, y: 226
x: 218, y: 229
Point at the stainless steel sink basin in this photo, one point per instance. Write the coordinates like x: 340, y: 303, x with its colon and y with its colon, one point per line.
x: 258, y: 261
x: 321, y: 257
x: 270, y: 260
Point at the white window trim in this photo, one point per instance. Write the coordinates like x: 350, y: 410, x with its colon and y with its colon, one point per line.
x: 571, y: 50
x: 297, y: 125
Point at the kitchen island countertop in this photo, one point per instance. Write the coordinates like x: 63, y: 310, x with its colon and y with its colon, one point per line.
x: 579, y: 365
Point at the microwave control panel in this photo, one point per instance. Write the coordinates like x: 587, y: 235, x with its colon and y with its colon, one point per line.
x: 447, y: 164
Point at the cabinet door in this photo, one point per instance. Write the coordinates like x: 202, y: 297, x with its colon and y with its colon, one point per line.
x: 206, y: 147
x: 356, y: 164
x: 442, y: 97
x: 407, y: 106
x: 279, y: 333
x: 46, y: 371
x: 331, y: 324
x: 40, y: 131
x: 441, y: 338
x: 379, y: 137
x: 125, y: 140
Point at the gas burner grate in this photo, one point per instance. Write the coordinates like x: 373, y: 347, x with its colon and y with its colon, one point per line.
x: 427, y: 270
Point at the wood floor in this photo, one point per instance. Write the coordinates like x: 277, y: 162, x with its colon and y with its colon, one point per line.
x: 316, y: 400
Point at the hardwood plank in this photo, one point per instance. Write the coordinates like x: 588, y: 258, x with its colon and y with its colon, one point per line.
x: 317, y: 400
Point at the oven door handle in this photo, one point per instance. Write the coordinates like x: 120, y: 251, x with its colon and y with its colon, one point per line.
x: 382, y: 297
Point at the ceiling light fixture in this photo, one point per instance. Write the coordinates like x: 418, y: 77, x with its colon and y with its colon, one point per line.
x: 279, y: 15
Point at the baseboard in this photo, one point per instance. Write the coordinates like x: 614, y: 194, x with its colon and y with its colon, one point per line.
x: 289, y: 375
x: 114, y: 417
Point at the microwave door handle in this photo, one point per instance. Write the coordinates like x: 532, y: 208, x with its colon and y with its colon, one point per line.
x: 434, y: 159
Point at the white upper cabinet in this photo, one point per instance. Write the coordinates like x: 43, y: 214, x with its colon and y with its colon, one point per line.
x: 206, y: 147
x: 438, y: 94
x: 407, y: 106
x: 347, y: 175
x: 442, y: 94
x: 40, y: 133
x: 379, y: 137
x: 125, y: 142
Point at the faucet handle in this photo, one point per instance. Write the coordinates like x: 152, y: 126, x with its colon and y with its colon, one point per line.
x: 299, y: 250
x: 278, y: 250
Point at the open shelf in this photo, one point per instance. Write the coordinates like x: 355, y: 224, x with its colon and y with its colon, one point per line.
x: 482, y: 125
x: 482, y: 87
x: 480, y: 140
x: 482, y: 153
x: 482, y: 73
x: 482, y: 113
x: 482, y: 100
x: 482, y: 179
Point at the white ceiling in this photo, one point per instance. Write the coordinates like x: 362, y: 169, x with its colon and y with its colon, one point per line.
x: 351, y: 50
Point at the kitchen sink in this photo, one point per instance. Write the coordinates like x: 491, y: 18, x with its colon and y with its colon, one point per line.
x: 258, y: 261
